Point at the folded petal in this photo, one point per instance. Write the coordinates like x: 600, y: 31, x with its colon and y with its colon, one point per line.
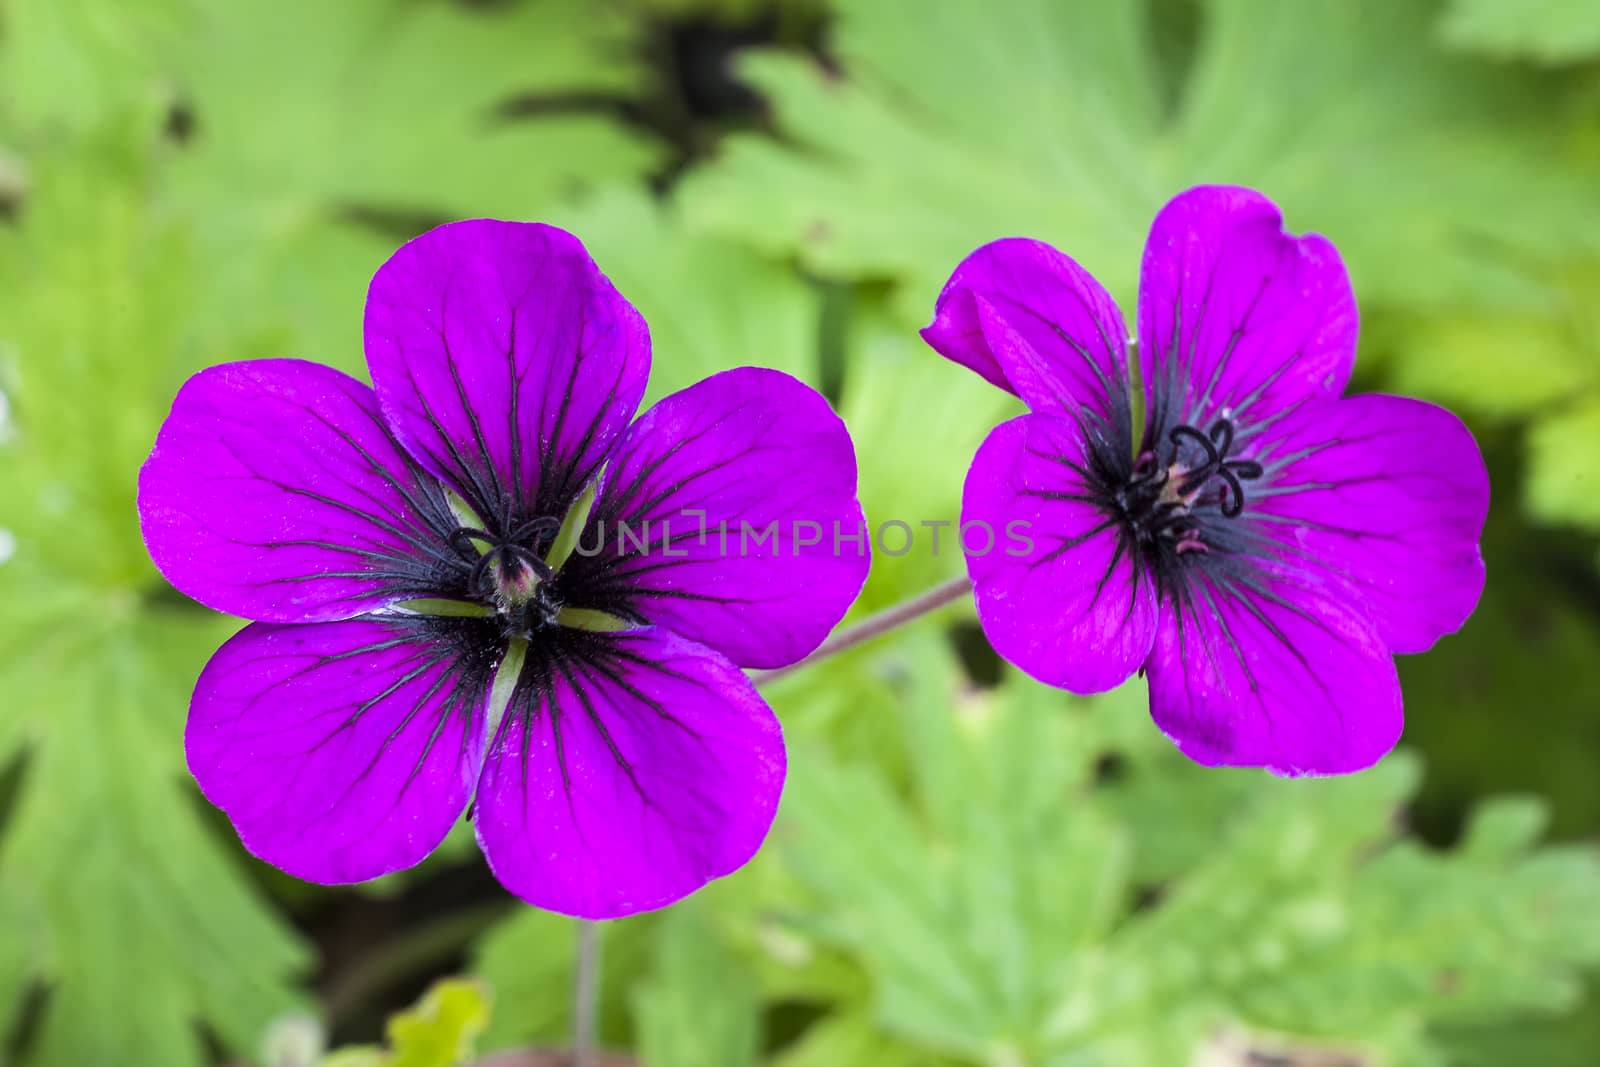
x: 1033, y: 322
x: 1271, y: 670
x: 1237, y: 317
x: 346, y: 750
x: 630, y: 769
x: 1389, y: 493
x: 1061, y: 590
x: 729, y: 515
x: 274, y: 491
x: 505, y: 361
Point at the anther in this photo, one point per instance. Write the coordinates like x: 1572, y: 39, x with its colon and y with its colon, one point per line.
x: 1222, y: 435
x: 544, y: 525
x: 1212, y: 455
x: 461, y: 539
x: 1232, y: 502
x: 1217, y: 442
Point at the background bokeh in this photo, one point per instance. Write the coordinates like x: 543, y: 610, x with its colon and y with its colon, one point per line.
x: 968, y: 869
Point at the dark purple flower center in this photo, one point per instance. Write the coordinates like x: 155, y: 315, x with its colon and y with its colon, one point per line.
x: 1170, y: 500
x: 510, y: 575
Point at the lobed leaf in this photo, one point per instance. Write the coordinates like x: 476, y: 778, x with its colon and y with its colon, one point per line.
x: 135, y: 914
x: 996, y: 914
x: 698, y: 1008
x: 954, y: 124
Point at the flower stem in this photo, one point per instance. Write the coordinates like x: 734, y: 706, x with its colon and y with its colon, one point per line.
x: 875, y: 626
x: 586, y: 994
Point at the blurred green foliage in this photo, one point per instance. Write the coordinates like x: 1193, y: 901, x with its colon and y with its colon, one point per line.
x: 1545, y: 31
x: 130, y: 905
x: 440, y: 1031
x: 962, y: 872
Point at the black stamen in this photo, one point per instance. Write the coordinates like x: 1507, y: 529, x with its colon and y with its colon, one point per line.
x: 511, y: 559
x: 461, y: 539
x: 1232, y: 501
x: 1212, y: 456
x: 1164, y: 499
x: 1233, y: 472
x: 546, y: 524
x: 1222, y: 434
x: 1156, y: 476
x: 475, y: 580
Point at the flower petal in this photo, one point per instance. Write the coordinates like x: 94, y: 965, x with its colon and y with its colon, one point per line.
x: 742, y: 491
x: 1235, y: 315
x: 343, y: 751
x: 1391, y: 494
x: 1269, y: 670
x: 505, y: 361
x: 1060, y: 592
x: 275, y: 492
x: 1033, y: 322
x: 631, y: 769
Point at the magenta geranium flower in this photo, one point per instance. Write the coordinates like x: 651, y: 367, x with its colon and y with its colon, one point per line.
x: 430, y: 632
x: 1263, y: 547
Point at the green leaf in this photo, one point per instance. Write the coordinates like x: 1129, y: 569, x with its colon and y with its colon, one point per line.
x: 1503, y: 827
x: 994, y: 909
x: 147, y: 922
x: 711, y: 304
x: 1568, y: 1042
x: 1563, y: 478
x: 1507, y: 365
x: 698, y: 1007
x: 528, y: 961
x: 848, y: 1037
x: 398, y: 116
x: 407, y: 107
x: 969, y: 911
x: 93, y: 293
x: 1545, y: 31
x: 22, y: 949
x: 442, y: 1029
x: 1312, y: 923
x: 142, y: 922
x: 954, y: 124
x: 1541, y: 368
x: 13, y: 181
x: 356, y: 1057
x: 72, y: 65
x: 790, y: 13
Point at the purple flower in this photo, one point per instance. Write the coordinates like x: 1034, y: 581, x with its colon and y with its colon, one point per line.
x: 1263, y: 548
x: 428, y: 630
